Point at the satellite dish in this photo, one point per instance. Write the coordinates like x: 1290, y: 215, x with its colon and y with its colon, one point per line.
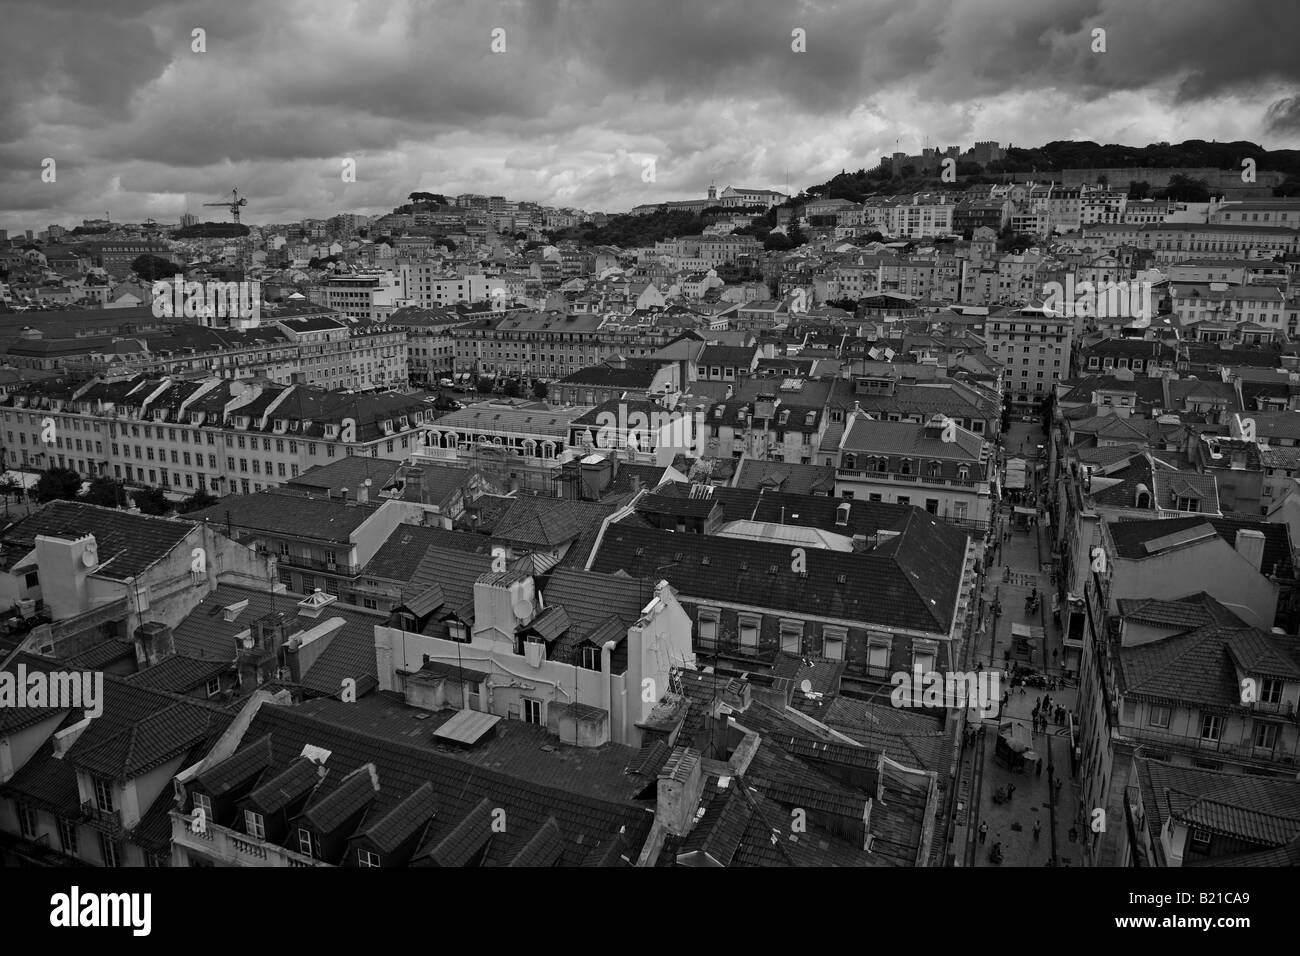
x: 806, y: 686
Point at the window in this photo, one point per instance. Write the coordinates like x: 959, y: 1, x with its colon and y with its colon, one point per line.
x: 27, y: 820
x: 254, y: 825
x: 532, y: 708
x: 108, y: 850
x: 1200, y: 839
x: 214, y: 687
x: 708, y: 626
x: 1265, y: 736
x: 104, y: 795
x: 202, y: 802
x: 306, y: 846
x: 833, y: 640
x: 68, y: 836
x: 591, y: 657
x: 1211, y: 726
x: 366, y: 858
x: 1270, y: 691
x: 1159, y: 716
x: 792, y: 637
x: 748, y: 631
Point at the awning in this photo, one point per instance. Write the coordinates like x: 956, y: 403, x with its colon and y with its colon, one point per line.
x: 1022, y: 510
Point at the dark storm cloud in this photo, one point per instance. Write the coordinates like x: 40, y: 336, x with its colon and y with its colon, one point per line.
x: 1283, y: 115
x: 412, y: 91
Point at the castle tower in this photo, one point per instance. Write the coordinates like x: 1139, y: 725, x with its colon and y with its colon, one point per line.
x: 713, y: 192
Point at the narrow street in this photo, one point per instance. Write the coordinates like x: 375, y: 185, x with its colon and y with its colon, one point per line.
x: 1020, y: 564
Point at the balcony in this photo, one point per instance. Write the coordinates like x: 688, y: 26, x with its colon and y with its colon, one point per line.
x: 232, y: 848
x: 1202, y: 747
x: 318, y: 564
x: 1280, y: 708
x: 889, y: 476
x: 110, y: 821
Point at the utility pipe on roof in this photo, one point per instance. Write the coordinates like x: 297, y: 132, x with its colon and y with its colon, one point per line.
x: 606, y: 669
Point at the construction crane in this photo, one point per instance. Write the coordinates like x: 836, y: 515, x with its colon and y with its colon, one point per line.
x: 232, y: 204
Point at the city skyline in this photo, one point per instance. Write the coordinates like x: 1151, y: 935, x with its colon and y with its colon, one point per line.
x: 566, y: 111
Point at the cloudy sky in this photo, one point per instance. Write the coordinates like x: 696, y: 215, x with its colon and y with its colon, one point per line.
x: 139, y: 124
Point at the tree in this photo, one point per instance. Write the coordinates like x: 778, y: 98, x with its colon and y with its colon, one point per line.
x: 512, y: 389
x: 8, y: 486
x: 57, y: 484
x: 777, y: 242
x: 151, y: 268
x: 105, y: 491
x: 797, y: 238
x: 196, y: 502
x: 151, y: 501
x: 541, y: 390
x: 1183, y: 188
x: 451, y: 246
x: 521, y: 235
x: 1139, y: 190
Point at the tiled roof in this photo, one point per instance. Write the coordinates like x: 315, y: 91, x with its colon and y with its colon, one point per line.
x: 353, y: 795
x: 546, y: 523
x: 910, y: 581
x: 1185, y: 613
x: 1195, y: 669
x: 286, y: 515
x: 139, y: 730
x: 404, y: 821
x: 248, y: 764
x: 349, y: 472
x: 1130, y: 537
x: 207, y: 635
x: 792, y: 478
x: 1254, y: 809
x: 179, y: 674
x: 290, y: 785
x: 544, y: 849
x: 398, y: 558
x: 127, y: 544
x: 867, y: 436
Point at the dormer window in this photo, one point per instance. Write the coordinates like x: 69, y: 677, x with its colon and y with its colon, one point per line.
x: 367, y: 858
x: 1270, y: 691
x: 254, y: 825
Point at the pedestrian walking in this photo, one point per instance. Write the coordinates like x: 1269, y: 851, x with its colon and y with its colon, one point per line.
x: 1011, y: 791
x: 1059, y: 781
x: 1038, y: 829
x: 1039, y: 771
x: 984, y: 831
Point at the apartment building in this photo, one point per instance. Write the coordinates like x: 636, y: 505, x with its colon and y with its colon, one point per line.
x: 937, y: 465
x: 1174, y: 242
x: 425, y: 285
x: 372, y: 296
x: 224, y: 436
x: 551, y: 345
x: 1034, y: 347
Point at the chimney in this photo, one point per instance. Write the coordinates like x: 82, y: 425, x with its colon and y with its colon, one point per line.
x: 363, y: 493
x: 1250, y: 545
x: 153, y: 643
x: 681, y: 782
